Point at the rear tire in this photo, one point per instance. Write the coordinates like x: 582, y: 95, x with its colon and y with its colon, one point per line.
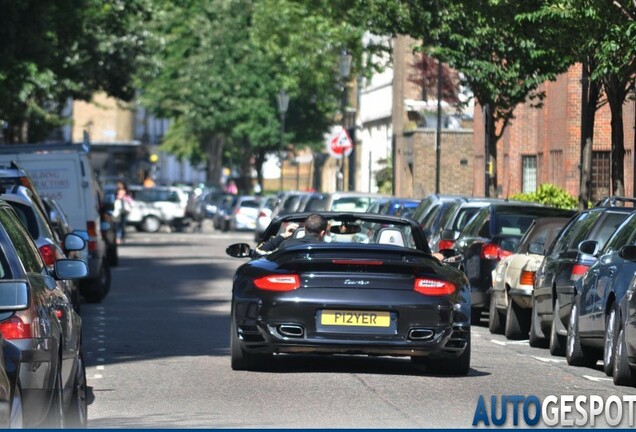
x: 575, y: 353
x: 451, y: 366
x: 494, y: 318
x: 609, y: 341
x: 55, y: 415
x: 536, y: 337
x: 16, y: 420
x: 517, y: 322
x: 557, y: 342
x: 150, y: 224
x: 77, y: 412
x: 241, y: 359
x: 622, y: 374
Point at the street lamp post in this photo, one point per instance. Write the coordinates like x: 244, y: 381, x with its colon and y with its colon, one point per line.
x: 345, y: 70
x: 283, y: 104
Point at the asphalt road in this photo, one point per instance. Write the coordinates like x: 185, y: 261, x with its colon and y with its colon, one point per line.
x: 157, y: 355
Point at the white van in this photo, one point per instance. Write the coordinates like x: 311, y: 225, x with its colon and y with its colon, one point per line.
x: 63, y: 172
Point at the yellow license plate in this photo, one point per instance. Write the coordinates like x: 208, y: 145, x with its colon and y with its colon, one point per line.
x: 355, y: 318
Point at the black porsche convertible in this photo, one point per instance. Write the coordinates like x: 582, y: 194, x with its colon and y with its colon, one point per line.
x: 370, y: 287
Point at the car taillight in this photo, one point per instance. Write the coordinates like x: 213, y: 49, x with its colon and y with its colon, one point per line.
x: 434, y: 287
x: 445, y: 244
x: 276, y: 282
x: 15, y: 328
x: 578, y: 270
x: 48, y: 254
x: 526, y: 278
x: 262, y: 213
x: 492, y: 251
x: 91, y: 227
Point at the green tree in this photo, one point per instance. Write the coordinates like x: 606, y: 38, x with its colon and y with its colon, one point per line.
x: 502, y: 60
x: 53, y: 50
x: 223, y: 63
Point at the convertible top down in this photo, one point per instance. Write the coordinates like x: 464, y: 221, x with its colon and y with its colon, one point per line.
x: 370, y: 287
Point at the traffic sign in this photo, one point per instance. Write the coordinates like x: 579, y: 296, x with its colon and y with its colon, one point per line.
x: 340, y: 144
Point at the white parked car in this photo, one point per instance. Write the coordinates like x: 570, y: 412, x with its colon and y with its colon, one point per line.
x: 513, y: 279
x: 157, y: 206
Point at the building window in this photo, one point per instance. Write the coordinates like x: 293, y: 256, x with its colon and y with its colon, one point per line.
x: 601, y: 163
x: 528, y: 174
x: 557, y: 172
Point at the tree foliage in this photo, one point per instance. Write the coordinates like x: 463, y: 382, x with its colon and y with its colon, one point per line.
x: 550, y: 195
x: 53, y: 50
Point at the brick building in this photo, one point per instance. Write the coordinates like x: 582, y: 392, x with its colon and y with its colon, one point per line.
x: 543, y: 145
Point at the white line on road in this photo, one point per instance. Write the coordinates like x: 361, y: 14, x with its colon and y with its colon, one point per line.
x: 597, y: 379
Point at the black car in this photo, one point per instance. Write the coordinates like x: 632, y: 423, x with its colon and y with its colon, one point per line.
x: 40, y: 320
x: 492, y: 234
x: 384, y: 295
x: 594, y: 320
x: 562, y: 266
x: 625, y: 346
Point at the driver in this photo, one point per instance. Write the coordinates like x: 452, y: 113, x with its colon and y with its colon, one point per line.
x: 315, y: 227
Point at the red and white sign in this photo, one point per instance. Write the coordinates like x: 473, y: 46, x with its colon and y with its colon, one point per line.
x: 340, y: 143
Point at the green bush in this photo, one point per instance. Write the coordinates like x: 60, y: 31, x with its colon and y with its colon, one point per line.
x: 550, y: 195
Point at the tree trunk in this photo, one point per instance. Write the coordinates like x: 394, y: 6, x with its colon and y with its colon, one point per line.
x: 490, y: 154
x: 615, y: 91
x: 590, y: 95
x: 213, y: 145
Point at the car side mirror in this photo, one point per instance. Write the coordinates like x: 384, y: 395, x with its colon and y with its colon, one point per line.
x: 66, y: 269
x: 589, y: 247
x: 239, y: 250
x: 73, y: 242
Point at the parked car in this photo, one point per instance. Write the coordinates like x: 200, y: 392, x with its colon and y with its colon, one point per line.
x: 455, y: 219
x: 513, y: 280
x: 389, y: 297
x: 431, y: 201
x: 376, y: 205
x: 224, y: 212
x: 433, y: 220
x: 206, y: 205
x: 402, y: 207
x: 491, y: 235
x: 341, y: 201
x: 625, y: 346
x: 48, y: 242
x: 244, y: 213
x: 264, y: 216
x: 157, y: 206
x: 594, y: 321
x: 562, y: 266
x: 63, y: 172
x: 37, y: 316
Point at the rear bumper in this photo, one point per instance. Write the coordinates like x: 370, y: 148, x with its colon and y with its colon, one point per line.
x: 435, y: 328
x: 446, y: 342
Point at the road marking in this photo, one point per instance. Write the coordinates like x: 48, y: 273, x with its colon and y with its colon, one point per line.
x: 597, y: 379
x: 548, y: 359
x: 498, y: 342
x: 97, y: 376
x: 100, y: 367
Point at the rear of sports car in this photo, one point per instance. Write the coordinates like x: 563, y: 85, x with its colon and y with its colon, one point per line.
x: 357, y: 299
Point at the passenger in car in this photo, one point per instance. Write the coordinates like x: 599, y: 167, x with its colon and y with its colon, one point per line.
x: 315, y: 227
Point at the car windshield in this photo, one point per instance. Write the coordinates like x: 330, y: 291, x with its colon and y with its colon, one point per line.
x: 366, y: 231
